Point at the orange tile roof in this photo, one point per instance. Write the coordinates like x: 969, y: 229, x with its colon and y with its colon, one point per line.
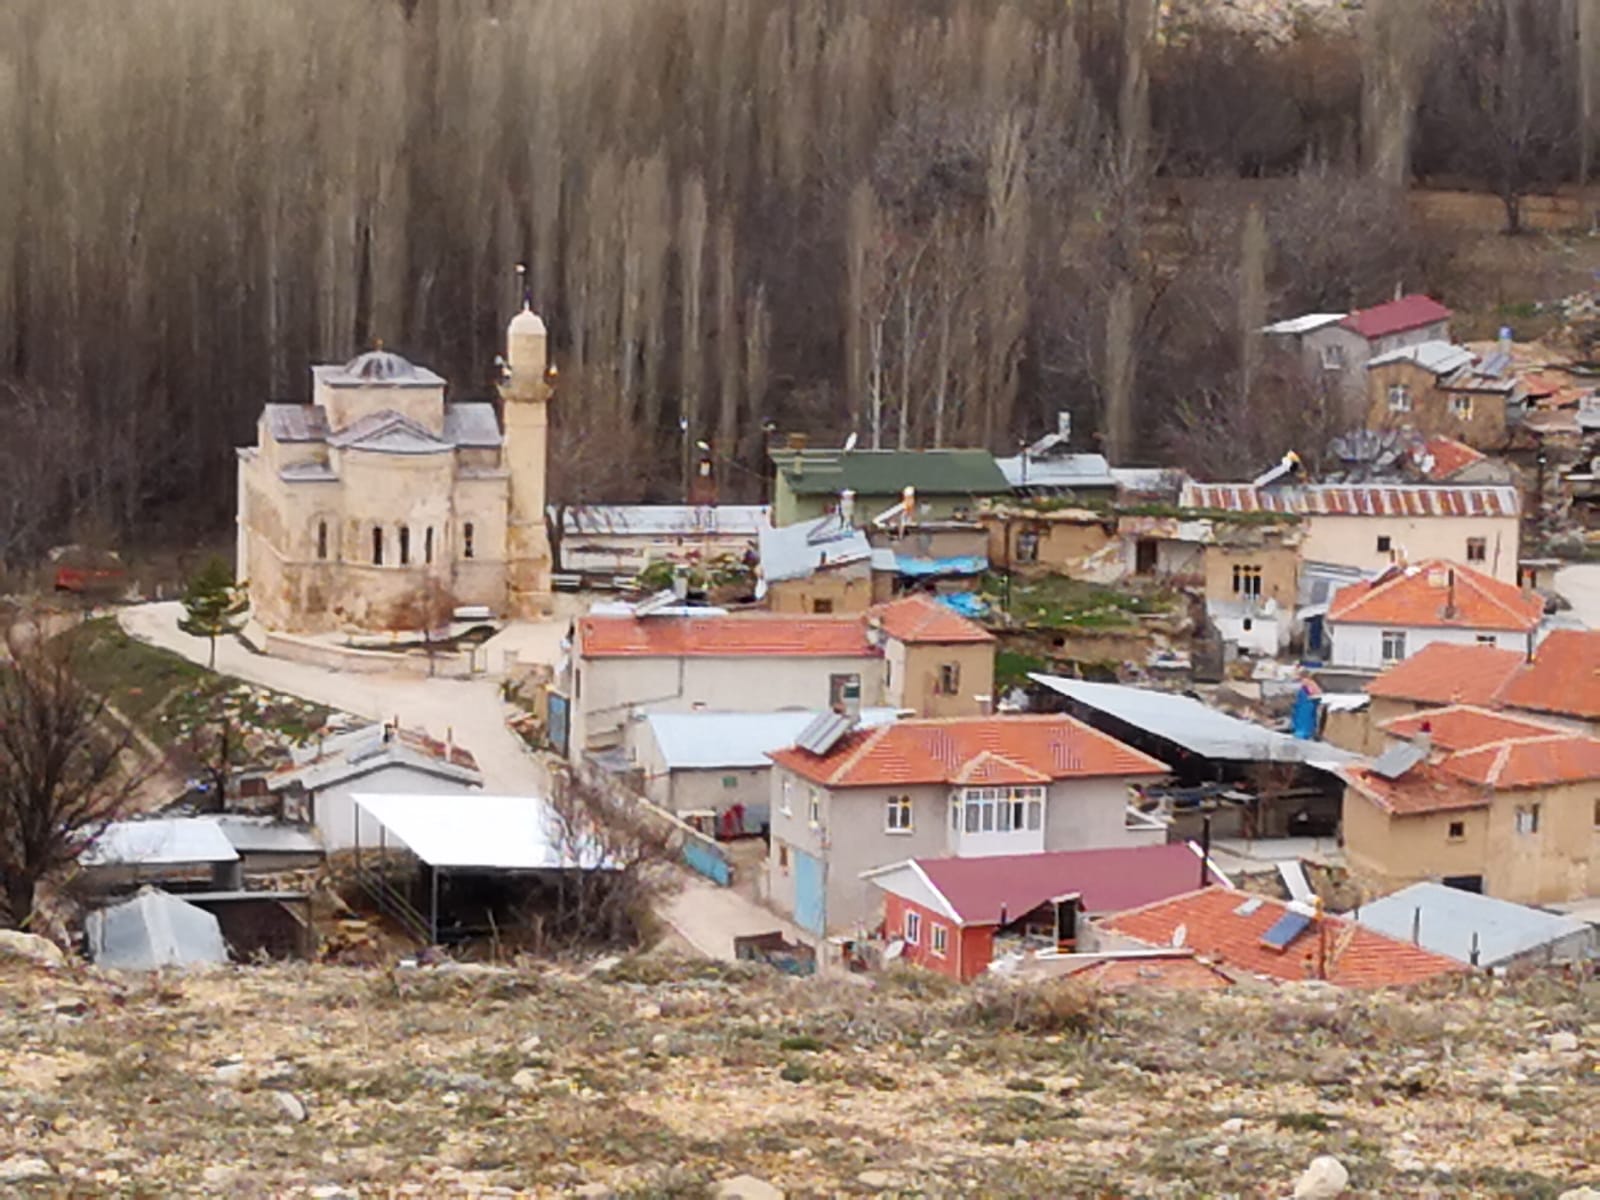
x: 1179, y: 972
x: 1564, y: 676
x: 1422, y: 596
x: 921, y: 618
x: 1444, y: 457
x: 768, y: 635
x: 1213, y: 925
x: 1426, y: 788
x: 1465, y: 726
x: 972, y: 751
x: 1449, y: 673
x: 1529, y: 762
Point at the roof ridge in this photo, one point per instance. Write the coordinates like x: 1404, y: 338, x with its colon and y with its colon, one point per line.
x: 874, y: 736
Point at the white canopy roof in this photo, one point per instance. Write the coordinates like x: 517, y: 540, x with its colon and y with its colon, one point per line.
x: 164, y: 842
x: 467, y: 831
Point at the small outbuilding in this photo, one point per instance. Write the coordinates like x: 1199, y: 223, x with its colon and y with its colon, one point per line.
x: 1480, y: 930
x: 153, y: 930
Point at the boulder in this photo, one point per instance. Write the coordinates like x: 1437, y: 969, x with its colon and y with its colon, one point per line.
x: 1324, y: 1179
x: 745, y: 1187
x: 30, y: 946
x: 290, y: 1106
x: 1563, y: 1042
x: 20, y: 1168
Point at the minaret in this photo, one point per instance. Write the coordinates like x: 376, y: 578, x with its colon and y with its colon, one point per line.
x: 525, y: 398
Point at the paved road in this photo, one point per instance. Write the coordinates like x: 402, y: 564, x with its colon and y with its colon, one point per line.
x: 1580, y: 584
x: 709, y: 917
x: 469, y: 710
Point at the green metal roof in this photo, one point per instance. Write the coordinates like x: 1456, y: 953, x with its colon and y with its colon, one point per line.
x: 888, y: 472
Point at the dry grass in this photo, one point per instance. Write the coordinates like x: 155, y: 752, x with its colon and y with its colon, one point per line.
x: 658, y: 1078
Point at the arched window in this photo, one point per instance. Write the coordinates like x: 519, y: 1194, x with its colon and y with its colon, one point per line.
x: 427, y: 544
x: 405, y: 545
x: 322, y: 539
x: 377, y: 545
x: 466, y: 540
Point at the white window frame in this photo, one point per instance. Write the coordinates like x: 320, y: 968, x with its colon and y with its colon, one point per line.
x: 898, y: 815
x: 939, y: 939
x: 913, y: 927
x: 1393, y: 640
x: 785, y: 800
x: 1333, y: 358
x: 814, y: 809
x: 1000, y: 809
x: 1399, y: 397
x: 1527, y: 818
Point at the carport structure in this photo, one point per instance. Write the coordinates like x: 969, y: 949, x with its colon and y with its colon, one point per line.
x: 462, y: 842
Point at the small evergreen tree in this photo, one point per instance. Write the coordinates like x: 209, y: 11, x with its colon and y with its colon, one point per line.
x: 211, y: 603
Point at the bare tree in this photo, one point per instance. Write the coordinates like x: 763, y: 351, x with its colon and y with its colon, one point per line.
x: 427, y: 609
x: 66, y: 767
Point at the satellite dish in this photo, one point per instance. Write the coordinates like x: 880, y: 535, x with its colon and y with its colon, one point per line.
x: 1180, y: 935
x: 850, y: 443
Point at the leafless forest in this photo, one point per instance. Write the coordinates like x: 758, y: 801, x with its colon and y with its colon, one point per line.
x: 931, y: 221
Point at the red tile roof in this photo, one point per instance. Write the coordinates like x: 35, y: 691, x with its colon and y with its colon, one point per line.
x: 921, y: 618
x: 1212, y: 923
x: 1426, y: 788
x: 1448, y: 673
x: 1437, y: 594
x: 1397, y: 316
x: 1564, y: 676
x: 1170, y: 972
x: 977, y: 751
x: 979, y: 889
x: 1529, y: 762
x: 1359, y: 499
x: 747, y: 635
x: 1465, y: 726
x: 1442, y: 457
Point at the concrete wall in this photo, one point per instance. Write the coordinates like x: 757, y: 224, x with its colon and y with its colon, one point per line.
x: 1279, y: 565
x: 1350, y: 378
x: 607, y: 688
x: 333, y: 809
x: 1561, y: 861
x: 1353, y: 541
x: 687, y: 790
x: 1061, y: 542
x: 915, y: 672
x: 845, y: 589
x: 1362, y: 645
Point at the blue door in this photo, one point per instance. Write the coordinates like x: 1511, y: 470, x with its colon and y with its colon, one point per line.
x: 559, y: 710
x: 810, y: 893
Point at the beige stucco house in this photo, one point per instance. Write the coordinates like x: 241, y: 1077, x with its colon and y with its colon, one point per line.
x: 973, y: 787
x: 1484, y: 800
x: 1334, y: 348
x: 381, y: 499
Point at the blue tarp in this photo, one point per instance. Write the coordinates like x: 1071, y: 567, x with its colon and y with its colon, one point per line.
x: 964, y: 564
x: 965, y: 603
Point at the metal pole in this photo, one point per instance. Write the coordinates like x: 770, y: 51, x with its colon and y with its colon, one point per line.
x: 433, y: 911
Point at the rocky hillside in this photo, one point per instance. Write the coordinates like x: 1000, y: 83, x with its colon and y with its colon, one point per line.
x: 652, y: 1077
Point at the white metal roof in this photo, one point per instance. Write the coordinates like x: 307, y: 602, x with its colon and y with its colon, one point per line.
x: 717, y: 740
x: 1437, y: 356
x: 656, y: 520
x: 1193, y: 725
x: 1303, y: 324
x: 1063, y: 470
x: 1446, y: 919
x: 166, y: 842
x: 798, y: 551
x: 466, y: 830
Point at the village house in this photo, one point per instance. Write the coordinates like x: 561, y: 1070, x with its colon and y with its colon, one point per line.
x: 318, y: 786
x: 1371, y: 526
x: 1256, y: 937
x: 1440, y: 459
x: 1378, y: 622
x: 358, y: 509
x: 620, y: 540
x: 969, y: 787
x: 1480, y: 800
x: 1251, y: 583
x: 718, y: 765
x: 1028, y: 540
x: 1480, y: 931
x: 1438, y: 388
x: 824, y: 565
x: 953, y: 915
x: 912, y: 653
x: 1047, y: 467
x: 939, y: 483
x: 1335, y: 348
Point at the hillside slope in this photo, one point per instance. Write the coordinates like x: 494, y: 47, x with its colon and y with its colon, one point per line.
x: 659, y: 1079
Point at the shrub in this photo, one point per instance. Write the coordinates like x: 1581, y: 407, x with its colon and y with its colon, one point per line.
x: 1055, y: 1006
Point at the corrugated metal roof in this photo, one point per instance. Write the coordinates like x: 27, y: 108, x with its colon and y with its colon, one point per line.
x: 170, y: 841
x: 718, y: 740
x: 1303, y: 324
x: 1439, y: 357
x: 678, y: 520
x: 1358, y: 499
x: 798, y: 551
x: 494, y: 833
x: 888, y: 472
x: 263, y: 835
x: 1396, y: 316
x: 1059, y: 471
x: 1447, y: 920
x: 1193, y: 725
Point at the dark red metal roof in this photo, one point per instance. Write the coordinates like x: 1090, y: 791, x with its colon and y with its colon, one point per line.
x: 1397, y: 316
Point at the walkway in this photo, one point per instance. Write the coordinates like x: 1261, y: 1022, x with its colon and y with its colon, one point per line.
x: 709, y: 917
x: 469, y: 710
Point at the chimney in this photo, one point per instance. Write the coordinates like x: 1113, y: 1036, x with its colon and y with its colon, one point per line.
x: 1424, y: 739
x: 1450, y: 613
x: 680, y: 582
x: 985, y: 705
x: 1505, y: 339
x: 1064, y: 426
x: 847, y: 507
x: 850, y: 697
x: 1416, y: 926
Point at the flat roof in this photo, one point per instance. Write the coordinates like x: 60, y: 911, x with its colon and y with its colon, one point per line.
x: 167, y: 841
x: 493, y: 833
x: 711, y: 740
x: 1447, y: 919
x: 1195, y: 726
